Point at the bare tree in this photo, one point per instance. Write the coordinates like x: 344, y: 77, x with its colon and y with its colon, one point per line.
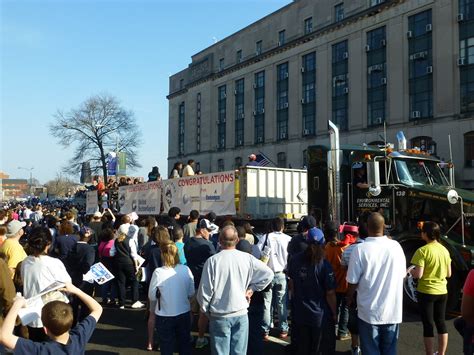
x: 60, y: 186
x: 98, y: 126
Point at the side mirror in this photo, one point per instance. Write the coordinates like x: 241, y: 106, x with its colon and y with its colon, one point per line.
x: 373, y: 178
x: 373, y: 174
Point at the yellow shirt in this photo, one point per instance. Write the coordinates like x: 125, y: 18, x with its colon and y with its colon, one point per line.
x: 13, y: 251
x: 435, y: 260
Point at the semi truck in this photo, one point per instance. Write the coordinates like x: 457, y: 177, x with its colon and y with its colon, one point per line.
x: 407, y: 186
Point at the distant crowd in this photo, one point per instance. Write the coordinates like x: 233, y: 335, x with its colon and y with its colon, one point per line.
x: 335, y: 282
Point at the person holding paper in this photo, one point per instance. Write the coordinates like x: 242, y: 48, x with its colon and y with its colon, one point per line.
x: 38, y: 271
x: 127, y: 262
x: 171, y: 288
x: 57, y: 319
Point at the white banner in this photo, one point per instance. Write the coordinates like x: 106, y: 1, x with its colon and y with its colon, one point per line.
x: 144, y: 199
x: 92, y: 202
x: 205, y: 193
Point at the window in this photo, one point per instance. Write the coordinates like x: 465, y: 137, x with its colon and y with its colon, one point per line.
x: 259, y: 113
x: 376, y: 77
x: 340, y: 85
x: 258, y: 48
x: 281, y: 38
x: 308, y: 101
x: 469, y: 148
x: 281, y: 160
x: 198, y: 122
x: 181, y: 129
x: 308, y: 25
x: 282, y: 101
x: 376, y: 2
x: 181, y: 84
x: 238, y: 162
x: 221, y: 116
x: 339, y: 12
x: 466, y: 54
x: 220, y: 165
x: 466, y: 9
x: 425, y: 144
x: 420, y: 65
x: 221, y: 64
x: 239, y: 112
x: 239, y: 56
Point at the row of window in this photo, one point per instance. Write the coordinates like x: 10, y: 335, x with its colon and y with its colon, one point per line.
x: 420, y: 83
x: 307, y: 29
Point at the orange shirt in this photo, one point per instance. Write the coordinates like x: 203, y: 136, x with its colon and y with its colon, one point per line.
x: 333, y: 255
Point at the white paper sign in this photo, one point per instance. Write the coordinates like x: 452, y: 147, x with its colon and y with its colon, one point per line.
x: 92, y: 202
x: 144, y: 199
x: 205, y: 193
x: 98, y: 273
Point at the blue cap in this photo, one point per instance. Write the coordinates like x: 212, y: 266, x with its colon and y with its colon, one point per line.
x: 315, y: 235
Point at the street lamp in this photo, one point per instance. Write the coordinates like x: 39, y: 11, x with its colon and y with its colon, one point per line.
x: 31, y: 173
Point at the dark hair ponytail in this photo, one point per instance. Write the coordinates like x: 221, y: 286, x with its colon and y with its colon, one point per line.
x: 432, y: 230
x: 38, y: 240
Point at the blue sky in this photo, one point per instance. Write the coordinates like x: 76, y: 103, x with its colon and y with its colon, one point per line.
x: 56, y: 54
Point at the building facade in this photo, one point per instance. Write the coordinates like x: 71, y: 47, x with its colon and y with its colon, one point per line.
x: 272, y: 86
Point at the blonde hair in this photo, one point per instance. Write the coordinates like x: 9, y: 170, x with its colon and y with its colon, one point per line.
x: 169, y: 254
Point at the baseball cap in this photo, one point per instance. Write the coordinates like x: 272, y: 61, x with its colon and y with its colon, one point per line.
x: 204, y: 223
x: 97, y: 215
x: 244, y: 245
x: 123, y: 229
x: 315, y: 235
x: 14, y: 227
x: 307, y: 222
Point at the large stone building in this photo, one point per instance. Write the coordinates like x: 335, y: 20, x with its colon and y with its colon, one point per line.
x: 272, y: 86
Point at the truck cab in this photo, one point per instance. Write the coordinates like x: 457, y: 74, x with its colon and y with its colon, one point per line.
x: 407, y: 186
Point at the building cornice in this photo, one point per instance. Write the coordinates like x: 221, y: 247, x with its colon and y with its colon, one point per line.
x: 372, y: 11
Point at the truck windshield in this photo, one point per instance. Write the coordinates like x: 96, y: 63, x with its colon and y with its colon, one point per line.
x: 415, y: 172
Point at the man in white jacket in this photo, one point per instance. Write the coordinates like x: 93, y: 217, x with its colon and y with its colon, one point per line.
x: 228, y: 281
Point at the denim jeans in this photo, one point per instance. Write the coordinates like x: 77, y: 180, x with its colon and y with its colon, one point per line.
x: 378, y: 339
x: 229, y: 335
x: 276, y: 297
x: 174, y: 330
x: 343, y: 314
x: 255, y: 346
x: 109, y: 290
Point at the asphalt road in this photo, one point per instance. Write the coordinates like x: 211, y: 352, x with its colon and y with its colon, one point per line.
x: 124, y: 332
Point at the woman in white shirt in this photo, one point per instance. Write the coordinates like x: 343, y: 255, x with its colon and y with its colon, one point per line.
x: 38, y: 271
x: 171, y: 287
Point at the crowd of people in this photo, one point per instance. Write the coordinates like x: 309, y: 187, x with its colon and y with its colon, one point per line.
x: 335, y: 282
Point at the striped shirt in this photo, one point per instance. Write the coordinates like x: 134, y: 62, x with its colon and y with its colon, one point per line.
x: 346, y: 255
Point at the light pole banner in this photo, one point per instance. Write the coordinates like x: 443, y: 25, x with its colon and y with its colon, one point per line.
x: 92, y: 202
x: 205, y: 193
x: 144, y: 199
x: 121, y: 163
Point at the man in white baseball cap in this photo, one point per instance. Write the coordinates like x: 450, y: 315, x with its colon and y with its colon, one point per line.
x: 12, y: 248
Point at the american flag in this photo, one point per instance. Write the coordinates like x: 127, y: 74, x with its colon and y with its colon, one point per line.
x: 263, y: 160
